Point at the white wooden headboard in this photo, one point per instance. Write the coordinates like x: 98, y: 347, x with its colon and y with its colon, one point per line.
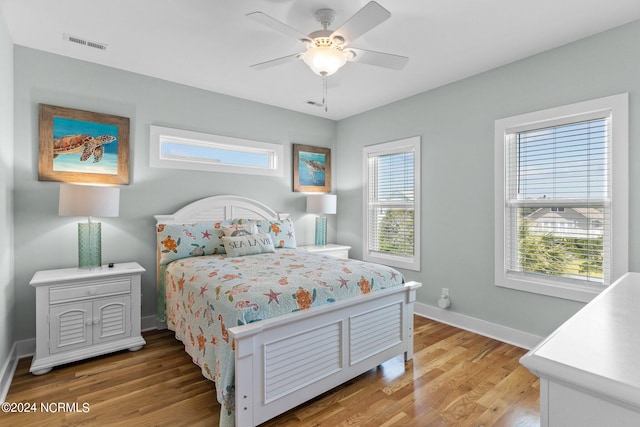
x: 219, y: 208
x: 210, y: 209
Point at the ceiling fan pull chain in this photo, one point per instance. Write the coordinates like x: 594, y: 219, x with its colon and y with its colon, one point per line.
x: 324, y: 92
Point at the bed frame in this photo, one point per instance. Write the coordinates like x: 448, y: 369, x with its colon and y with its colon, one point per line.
x: 285, y: 361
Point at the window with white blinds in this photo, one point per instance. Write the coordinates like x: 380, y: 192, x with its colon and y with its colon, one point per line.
x: 557, y: 197
x: 392, y: 203
x: 558, y: 201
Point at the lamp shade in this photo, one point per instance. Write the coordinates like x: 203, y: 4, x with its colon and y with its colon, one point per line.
x: 88, y: 200
x: 322, y: 203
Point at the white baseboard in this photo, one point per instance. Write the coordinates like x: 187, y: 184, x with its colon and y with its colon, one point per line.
x: 149, y: 323
x: 6, y: 375
x: 478, y: 326
x: 26, y: 348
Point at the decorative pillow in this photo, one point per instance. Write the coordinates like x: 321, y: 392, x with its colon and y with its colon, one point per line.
x: 248, y: 244
x: 240, y: 229
x: 281, y: 231
x: 176, y: 241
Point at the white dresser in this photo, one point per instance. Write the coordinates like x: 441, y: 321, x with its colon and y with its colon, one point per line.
x: 86, y: 313
x: 589, y: 368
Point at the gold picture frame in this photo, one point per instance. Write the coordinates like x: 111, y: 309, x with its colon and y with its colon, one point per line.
x: 82, y: 146
x: 311, y: 169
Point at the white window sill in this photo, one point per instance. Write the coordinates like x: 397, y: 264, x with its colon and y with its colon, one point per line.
x: 408, y: 263
x: 574, y: 292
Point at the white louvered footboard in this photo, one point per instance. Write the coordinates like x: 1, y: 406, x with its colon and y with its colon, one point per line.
x: 297, y: 361
x: 283, y: 362
x: 375, y: 331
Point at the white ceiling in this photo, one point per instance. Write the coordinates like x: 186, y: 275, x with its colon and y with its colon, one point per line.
x: 210, y: 44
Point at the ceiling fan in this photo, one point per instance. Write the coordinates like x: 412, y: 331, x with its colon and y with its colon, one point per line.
x: 328, y: 50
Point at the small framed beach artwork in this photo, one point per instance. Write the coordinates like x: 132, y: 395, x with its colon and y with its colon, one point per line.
x: 82, y: 147
x: 311, y: 169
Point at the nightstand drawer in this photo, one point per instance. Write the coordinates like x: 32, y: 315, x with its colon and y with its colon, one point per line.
x: 90, y: 290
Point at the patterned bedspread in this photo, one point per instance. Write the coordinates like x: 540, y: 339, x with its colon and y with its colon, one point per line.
x: 206, y: 295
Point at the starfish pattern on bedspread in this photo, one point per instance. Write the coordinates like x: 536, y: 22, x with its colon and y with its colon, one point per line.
x: 208, y: 294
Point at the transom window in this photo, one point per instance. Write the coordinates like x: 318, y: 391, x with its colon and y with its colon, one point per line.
x: 175, y: 148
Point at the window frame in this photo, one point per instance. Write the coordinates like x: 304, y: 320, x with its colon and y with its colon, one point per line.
x: 191, y: 138
x: 397, y: 146
x: 616, y: 107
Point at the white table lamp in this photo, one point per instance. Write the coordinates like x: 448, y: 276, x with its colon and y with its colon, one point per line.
x: 321, y: 204
x: 89, y: 201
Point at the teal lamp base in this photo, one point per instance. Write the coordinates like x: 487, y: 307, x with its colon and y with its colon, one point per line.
x: 89, y: 245
x: 321, y: 231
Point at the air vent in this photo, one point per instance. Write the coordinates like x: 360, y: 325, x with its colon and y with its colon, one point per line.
x: 84, y: 42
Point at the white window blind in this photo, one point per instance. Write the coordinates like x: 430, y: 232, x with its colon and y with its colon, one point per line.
x: 561, y: 198
x: 558, y: 221
x: 391, y: 191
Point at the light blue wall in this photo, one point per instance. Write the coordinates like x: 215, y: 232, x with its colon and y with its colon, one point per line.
x: 45, y: 241
x: 7, y: 294
x: 456, y: 124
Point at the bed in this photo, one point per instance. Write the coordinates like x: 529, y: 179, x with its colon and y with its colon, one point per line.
x: 298, y: 326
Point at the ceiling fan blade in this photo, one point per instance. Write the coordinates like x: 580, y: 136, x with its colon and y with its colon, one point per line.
x: 380, y: 59
x: 276, y: 25
x: 371, y: 15
x: 277, y: 61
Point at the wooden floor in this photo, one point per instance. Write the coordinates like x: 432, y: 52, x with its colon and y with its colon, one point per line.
x: 455, y: 378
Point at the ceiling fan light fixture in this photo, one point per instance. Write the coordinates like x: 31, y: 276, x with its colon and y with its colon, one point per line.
x: 329, y: 50
x: 324, y: 57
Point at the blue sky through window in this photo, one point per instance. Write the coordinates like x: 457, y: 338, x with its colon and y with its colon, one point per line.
x: 396, y: 177
x: 215, y: 155
x: 563, y: 162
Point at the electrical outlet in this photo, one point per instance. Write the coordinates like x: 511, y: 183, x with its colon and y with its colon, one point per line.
x: 445, y: 291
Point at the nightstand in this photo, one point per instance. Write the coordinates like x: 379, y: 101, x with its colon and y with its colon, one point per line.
x: 338, y: 251
x: 86, y: 313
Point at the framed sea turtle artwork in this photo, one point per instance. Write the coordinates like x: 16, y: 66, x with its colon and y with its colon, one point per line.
x: 311, y: 169
x: 82, y: 146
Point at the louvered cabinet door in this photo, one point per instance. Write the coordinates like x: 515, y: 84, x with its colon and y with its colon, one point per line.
x: 77, y: 325
x: 70, y: 326
x: 111, y: 319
